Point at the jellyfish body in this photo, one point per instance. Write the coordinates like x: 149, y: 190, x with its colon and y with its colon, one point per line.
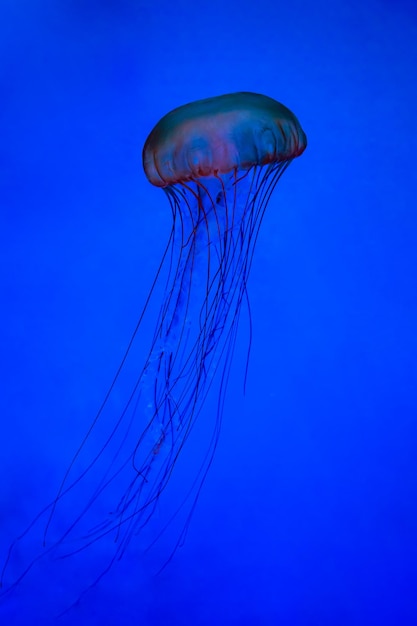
x: 218, y: 161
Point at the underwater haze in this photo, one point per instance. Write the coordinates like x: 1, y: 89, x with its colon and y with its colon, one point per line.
x: 308, y: 513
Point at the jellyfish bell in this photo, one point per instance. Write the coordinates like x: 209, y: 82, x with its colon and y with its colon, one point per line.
x: 218, y: 135
x: 218, y: 161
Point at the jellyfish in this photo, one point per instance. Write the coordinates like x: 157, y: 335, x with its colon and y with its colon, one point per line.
x: 218, y: 161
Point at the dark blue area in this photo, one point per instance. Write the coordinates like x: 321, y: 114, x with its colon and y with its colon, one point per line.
x: 309, y: 514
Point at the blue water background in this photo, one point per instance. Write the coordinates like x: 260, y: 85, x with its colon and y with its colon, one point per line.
x: 309, y: 514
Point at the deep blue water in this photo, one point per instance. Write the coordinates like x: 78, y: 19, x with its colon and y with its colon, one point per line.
x: 308, y: 516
